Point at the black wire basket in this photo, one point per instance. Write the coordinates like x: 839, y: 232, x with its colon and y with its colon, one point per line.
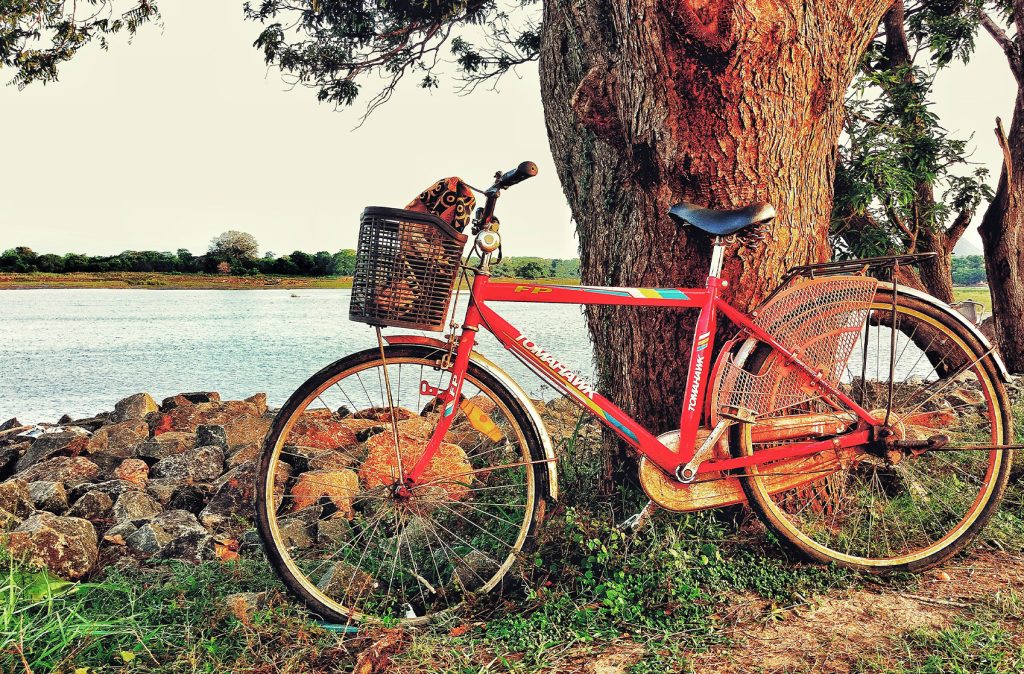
x: 406, y: 267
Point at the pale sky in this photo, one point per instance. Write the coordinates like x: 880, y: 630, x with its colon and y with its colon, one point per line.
x: 165, y: 143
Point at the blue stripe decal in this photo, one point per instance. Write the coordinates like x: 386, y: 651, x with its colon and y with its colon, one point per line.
x: 672, y: 294
x: 628, y: 433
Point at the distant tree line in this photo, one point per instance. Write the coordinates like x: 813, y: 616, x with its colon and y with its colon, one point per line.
x: 536, y: 267
x: 235, y: 252
x: 298, y: 263
x: 969, y: 270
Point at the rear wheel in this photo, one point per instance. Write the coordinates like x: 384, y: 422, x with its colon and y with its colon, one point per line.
x: 340, y: 530
x: 888, y: 506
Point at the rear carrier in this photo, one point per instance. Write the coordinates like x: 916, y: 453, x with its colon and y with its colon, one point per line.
x: 818, y: 311
x: 406, y: 267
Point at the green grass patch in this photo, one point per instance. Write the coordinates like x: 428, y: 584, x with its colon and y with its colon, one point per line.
x: 965, y: 648
x: 976, y: 293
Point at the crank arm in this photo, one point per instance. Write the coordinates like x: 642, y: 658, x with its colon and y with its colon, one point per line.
x: 688, y: 472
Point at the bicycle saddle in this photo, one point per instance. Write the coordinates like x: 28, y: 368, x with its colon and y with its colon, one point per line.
x: 721, y: 222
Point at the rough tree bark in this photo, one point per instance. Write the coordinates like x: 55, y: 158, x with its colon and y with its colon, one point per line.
x: 1002, y: 227
x: 717, y: 102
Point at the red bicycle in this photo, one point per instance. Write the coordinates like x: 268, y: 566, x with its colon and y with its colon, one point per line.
x: 865, y: 422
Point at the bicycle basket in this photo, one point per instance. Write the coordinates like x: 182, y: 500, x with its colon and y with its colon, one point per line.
x: 406, y: 266
x: 820, y: 320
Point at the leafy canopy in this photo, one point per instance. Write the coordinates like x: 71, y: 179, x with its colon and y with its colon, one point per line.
x: 335, y: 45
x: 38, y: 36
x: 900, y: 172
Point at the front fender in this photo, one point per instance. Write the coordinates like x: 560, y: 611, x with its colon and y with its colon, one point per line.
x: 514, y: 388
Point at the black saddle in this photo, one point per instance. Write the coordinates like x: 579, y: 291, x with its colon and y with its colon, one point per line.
x: 721, y: 222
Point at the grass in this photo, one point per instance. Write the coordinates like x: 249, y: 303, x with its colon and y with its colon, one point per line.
x: 976, y: 293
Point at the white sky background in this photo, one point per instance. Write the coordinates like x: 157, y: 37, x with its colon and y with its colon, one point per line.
x: 165, y: 143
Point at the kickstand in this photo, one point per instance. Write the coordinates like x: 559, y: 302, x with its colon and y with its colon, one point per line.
x: 634, y: 522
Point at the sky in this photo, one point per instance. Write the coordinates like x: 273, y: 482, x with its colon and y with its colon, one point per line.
x: 185, y: 133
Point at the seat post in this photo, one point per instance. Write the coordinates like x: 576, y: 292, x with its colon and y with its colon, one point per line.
x: 717, y: 256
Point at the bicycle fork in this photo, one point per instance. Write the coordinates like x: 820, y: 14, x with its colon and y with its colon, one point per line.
x: 450, y: 396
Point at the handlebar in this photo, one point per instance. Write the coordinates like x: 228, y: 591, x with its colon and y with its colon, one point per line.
x: 517, y: 175
x: 501, y: 181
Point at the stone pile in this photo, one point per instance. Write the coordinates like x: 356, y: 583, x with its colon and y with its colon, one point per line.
x: 173, y: 480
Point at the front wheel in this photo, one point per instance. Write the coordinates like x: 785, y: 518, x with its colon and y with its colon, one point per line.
x: 896, y: 507
x: 338, y: 527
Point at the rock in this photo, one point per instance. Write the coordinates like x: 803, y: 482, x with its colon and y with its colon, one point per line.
x: 119, y: 440
x: 162, y: 489
x: 16, y: 499
x: 191, y: 497
x: 69, y: 470
x: 211, y: 435
x: 298, y: 531
x: 9, y: 456
x: 9, y: 424
x: 92, y: 505
x: 134, y: 407
x: 112, y: 488
x: 243, y: 454
x: 189, y: 399
x: 92, y: 424
x: 321, y: 430
x: 333, y: 531
x: 343, y: 578
x: 135, y: 506
x: 167, y: 444
x: 67, y: 546
x: 47, y: 495
x: 65, y: 420
x: 242, y: 421
x: 202, y: 464
x: 236, y: 494
x: 473, y: 570
x: 135, y: 471
x: 173, y: 533
x: 260, y: 401
x: 49, y: 445
x: 118, y: 533
x: 340, y: 486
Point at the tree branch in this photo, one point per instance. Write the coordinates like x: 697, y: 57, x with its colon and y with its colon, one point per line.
x: 1004, y: 144
x: 959, y: 226
x: 1009, y: 47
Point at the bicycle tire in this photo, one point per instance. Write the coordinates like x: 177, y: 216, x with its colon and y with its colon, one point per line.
x: 303, y: 587
x: 772, y: 508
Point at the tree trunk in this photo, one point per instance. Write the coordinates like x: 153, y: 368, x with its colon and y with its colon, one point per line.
x: 937, y: 273
x: 1002, y: 234
x: 721, y: 103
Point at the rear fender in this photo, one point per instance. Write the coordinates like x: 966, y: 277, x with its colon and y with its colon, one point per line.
x: 514, y: 389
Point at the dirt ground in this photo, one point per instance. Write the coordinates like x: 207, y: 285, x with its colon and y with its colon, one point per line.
x: 831, y: 633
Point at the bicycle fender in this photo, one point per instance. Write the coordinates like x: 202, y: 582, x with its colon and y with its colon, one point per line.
x: 957, y: 316
x: 513, y: 387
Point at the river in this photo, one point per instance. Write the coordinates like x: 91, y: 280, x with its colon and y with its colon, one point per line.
x: 78, y: 352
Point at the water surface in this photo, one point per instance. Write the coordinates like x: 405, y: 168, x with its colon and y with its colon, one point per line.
x: 78, y: 352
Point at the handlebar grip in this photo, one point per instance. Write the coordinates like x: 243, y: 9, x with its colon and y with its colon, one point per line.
x: 517, y: 175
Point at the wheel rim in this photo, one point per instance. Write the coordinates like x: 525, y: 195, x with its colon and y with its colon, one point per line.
x: 379, y: 551
x: 865, y: 510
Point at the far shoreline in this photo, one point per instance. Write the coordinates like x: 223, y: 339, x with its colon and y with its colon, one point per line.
x: 172, y: 281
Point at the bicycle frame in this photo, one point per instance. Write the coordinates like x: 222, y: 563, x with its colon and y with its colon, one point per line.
x: 554, y: 372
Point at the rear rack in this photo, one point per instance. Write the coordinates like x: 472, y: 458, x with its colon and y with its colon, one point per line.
x: 869, y: 266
